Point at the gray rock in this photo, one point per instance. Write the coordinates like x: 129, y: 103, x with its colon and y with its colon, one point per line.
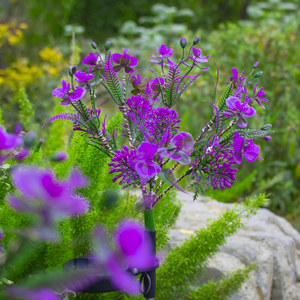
x: 266, y: 239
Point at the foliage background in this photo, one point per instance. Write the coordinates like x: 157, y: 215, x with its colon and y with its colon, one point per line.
x: 38, y: 39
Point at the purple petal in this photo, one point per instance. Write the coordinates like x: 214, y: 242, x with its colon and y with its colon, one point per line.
x: 116, y: 57
x: 77, y: 94
x: 229, y: 114
x: 59, y: 93
x: 18, y: 204
x: 135, y: 244
x: 77, y: 180
x: 231, y: 102
x: 147, y: 150
x: 241, y: 122
x: 251, y: 152
x: 133, y: 61
x: 238, y: 157
x: 147, y: 170
x: 184, y: 141
x: 27, y: 180
x: 248, y: 111
x: 238, y: 142
x: 120, y: 278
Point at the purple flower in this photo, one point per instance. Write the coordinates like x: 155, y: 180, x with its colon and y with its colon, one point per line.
x: 139, y: 108
x: 258, y: 96
x: 9, y: 141
x: 123, y: 163
x: 144, y: 165
x: 156, y: 84
x: 160, y: 125
x: 59, y: 156
x: 67, y: 93
x: 46, y: 197
x: 27, y: 294
x: 133, y: 251
x: 163, y: 52
x: 81, y: 76
x: 197, y: 57
x: 137, y: 83
x: 124, y: 61
x: 268, y: 138
x: 235, y: 76
x: 246, y: 147
x: 239, y: 110
x: 91, y: 59
x: 180, y: 149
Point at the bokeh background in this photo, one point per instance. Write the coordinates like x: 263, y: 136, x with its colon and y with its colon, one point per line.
x: 40, y: 39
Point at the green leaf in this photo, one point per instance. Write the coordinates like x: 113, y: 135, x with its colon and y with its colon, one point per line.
x: 168, y: 176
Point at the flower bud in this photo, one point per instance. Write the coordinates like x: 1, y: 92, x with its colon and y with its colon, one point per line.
x: 72, y: 70
x: 267, y: 138
x: 255, y: 65
x: 107, y: 45
x: 196, y: 40
x: 59, y: 156
x: 266, y: 127
x: 29, y: 139
x: 258, y: 74
x: 94, y: 45
x: 183, y: 42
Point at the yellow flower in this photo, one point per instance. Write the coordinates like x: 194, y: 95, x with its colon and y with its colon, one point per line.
x: 50, y: 55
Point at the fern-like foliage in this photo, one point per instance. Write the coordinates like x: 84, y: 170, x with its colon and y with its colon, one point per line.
x: 223, y: 289
x: 253, y: 133
x: 218, y: 118
x: 113, y: 83
x: 193, y: 78
x: 228, y: 92
x: 64, y: 116
x: 185, y: 261
x: 171, y: 85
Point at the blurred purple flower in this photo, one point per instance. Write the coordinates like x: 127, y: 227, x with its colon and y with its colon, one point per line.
x: 124, y: 61
x: 235, y: 76
x: 46, y: 197
x: 197, y: 57
x: 59, y: 156
x: 9, y: 141
x: 91, y: 59
x: 180, y: 149
x: 27, y: 294
x: 246, y: 147
x: 133, y: 251
x: 239, y: 110
x: 258, y: 96
x: 67, y: 93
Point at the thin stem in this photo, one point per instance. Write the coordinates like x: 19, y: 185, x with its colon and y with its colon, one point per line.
x: 127, y: 126
x: 189, y: 171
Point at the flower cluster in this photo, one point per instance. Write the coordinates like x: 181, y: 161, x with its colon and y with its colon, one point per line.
x: 152, y: 125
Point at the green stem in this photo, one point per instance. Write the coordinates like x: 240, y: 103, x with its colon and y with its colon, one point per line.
x: 149, y: 219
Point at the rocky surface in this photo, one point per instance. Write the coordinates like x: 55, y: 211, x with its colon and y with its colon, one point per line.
x: 266, y: 239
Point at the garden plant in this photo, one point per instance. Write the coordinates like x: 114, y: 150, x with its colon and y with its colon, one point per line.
x: 142, y: 148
